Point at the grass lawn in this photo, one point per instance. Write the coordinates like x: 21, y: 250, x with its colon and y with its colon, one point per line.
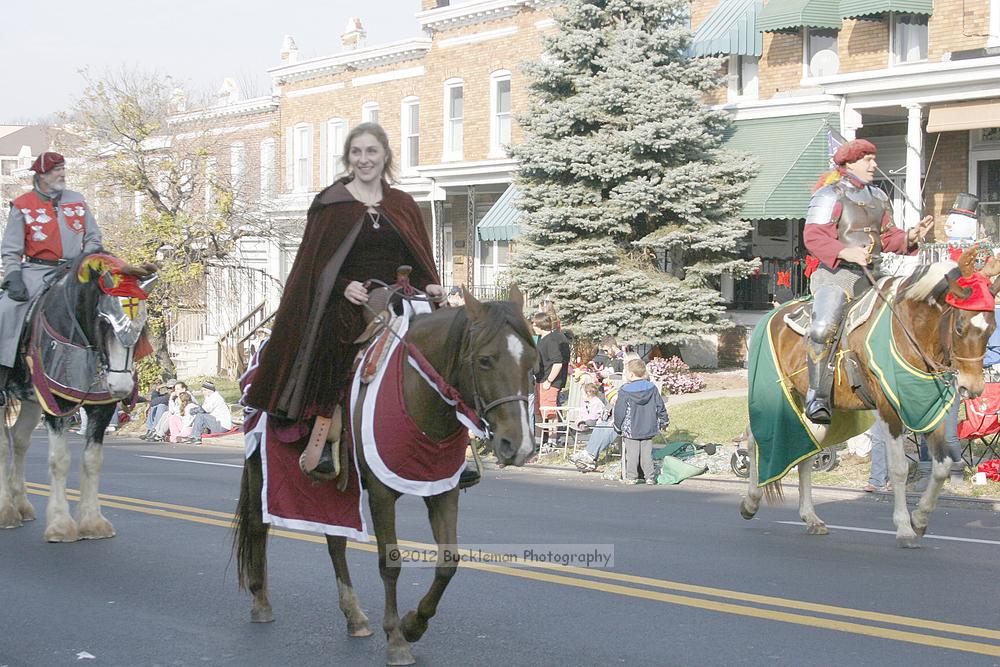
x: 710, y: 420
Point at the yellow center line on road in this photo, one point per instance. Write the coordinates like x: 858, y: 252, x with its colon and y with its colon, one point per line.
x: 531, y: 571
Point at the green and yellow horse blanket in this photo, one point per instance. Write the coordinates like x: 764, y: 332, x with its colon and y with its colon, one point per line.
x: 783, y: 435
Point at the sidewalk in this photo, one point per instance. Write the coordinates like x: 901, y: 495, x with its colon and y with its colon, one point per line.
x: 677, y: 399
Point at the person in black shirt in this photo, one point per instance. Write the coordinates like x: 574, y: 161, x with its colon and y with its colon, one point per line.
x: 552, y: 369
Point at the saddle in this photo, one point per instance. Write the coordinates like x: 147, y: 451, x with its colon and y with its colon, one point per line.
x: 800, y: 318
x: 859, y: 312
x: 324, y: 458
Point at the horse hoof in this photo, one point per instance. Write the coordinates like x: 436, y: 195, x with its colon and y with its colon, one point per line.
x: 27, y: 511
x: 263, y: 615
x: 817, y: 529
x: 908, y: 542
x: 10, y: 517
x: 920, y: 530
x: 412, y: 627
x: 401, y: 655
x: 96, y: 529
x: 359, y: 627
x: 746, y: 513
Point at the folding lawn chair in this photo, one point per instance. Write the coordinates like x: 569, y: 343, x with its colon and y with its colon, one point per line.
x: 981, y: 426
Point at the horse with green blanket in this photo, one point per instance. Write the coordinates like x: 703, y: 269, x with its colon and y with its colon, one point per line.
x: 906, y: 351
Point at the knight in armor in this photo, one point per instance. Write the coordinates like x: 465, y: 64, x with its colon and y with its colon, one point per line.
x: 847, y: 228
x: 47, y: 227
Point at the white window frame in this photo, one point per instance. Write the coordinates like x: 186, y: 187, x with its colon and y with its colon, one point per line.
x: 369, y: 112
x: 806, y: 32
x: 453, y: 141
x: 211, y: 168
x: 739, y: 67
x: 487, y: 274
x: 994, y: 38
x: 302, y: 157
x: 501, y: 123
x: 336, y: 134
x: 407, y: 160
x: 237, y: 162
x: 268, y: 168
x: 894, y: 59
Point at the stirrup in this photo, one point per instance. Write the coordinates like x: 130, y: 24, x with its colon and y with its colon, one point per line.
x: 819, y: 412
x: 470, y: 477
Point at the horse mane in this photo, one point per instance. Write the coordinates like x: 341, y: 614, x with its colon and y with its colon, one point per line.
x: 928, y: 281
x: 463, y: 337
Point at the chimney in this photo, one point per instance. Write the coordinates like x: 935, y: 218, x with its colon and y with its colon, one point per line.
x: 355, y: 36
x: 228, y: 93
x: 432, y: 4
x: 178, y: 100
x: 289, y: 52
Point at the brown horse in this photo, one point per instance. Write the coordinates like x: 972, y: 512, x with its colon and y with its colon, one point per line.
x: 932, y: 336
x: 483, y: 350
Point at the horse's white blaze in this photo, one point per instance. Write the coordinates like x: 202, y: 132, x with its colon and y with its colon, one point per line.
x: 979, y: 321
x: 119, y: 357
x: 516, y: 348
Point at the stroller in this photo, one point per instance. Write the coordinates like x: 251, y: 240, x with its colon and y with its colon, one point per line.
x: 824, y: 461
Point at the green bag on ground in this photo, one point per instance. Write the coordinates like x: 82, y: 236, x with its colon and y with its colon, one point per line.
x: 675, y: 471
x: 680, y: 449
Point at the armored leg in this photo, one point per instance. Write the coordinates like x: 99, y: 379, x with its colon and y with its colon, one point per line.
x: 828, y: 309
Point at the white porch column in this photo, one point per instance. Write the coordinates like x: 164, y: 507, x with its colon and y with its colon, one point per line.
x: 914, y: 165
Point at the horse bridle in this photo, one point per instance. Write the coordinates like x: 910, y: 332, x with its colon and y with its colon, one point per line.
x: 947, y: 321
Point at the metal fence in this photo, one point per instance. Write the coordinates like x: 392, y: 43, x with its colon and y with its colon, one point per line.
x: 778, y: 280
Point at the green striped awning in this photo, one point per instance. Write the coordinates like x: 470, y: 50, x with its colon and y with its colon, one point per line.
x: 729, y: 30
x: 854, y: 8
x: 500, y: 222
x: 779, y: 15
x: 792, y: 152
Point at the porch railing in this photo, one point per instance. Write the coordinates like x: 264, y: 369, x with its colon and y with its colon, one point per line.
x: 186, y: 325
x: 232, y: 359
x: 778, y: 279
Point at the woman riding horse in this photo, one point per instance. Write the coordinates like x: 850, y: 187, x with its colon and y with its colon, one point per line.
x: 360, y: 229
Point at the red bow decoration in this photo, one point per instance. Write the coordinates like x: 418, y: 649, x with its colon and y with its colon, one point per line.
x: 785, y: 279
x: 812, y: 263
x: 117, y: 284
x: 954, y: 252
x: 980, y: 297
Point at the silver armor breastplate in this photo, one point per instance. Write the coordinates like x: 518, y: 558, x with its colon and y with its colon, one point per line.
x: 860, y: 223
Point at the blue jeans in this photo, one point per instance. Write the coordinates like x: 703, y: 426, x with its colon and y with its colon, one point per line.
x: 951, y: 440
x: 601, y: 438
x: 153, y: 414
x: 879, y: 475
x: 205, y: 423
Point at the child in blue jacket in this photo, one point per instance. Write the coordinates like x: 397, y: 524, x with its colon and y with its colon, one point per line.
x: 639, y: 415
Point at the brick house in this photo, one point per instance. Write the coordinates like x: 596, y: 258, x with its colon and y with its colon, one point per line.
x: 920, y: 78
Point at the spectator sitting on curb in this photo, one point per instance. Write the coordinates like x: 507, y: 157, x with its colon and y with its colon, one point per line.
x: 215, y: 416
x: 159, y: 399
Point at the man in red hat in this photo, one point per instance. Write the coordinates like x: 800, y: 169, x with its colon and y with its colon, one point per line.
x: 47, y: 227
x: 847, y: 228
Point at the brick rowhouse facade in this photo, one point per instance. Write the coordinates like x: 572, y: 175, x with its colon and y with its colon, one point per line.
x: 924, y: 87
x: 869, y: 92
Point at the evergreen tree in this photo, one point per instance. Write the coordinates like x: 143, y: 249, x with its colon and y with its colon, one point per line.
x: 630, y: 205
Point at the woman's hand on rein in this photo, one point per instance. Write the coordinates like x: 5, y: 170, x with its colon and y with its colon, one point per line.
x: 356, y: 293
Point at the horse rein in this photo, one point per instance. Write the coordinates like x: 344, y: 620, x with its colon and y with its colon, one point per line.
x: 932, y: 365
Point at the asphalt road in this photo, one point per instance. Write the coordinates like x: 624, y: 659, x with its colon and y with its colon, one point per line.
x: 692, y: 583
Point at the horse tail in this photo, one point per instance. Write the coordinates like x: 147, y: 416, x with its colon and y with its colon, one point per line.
x: 248, y: 511
x: 773, y: 493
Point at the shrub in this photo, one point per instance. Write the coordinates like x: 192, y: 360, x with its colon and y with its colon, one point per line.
x: 674, y: 376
